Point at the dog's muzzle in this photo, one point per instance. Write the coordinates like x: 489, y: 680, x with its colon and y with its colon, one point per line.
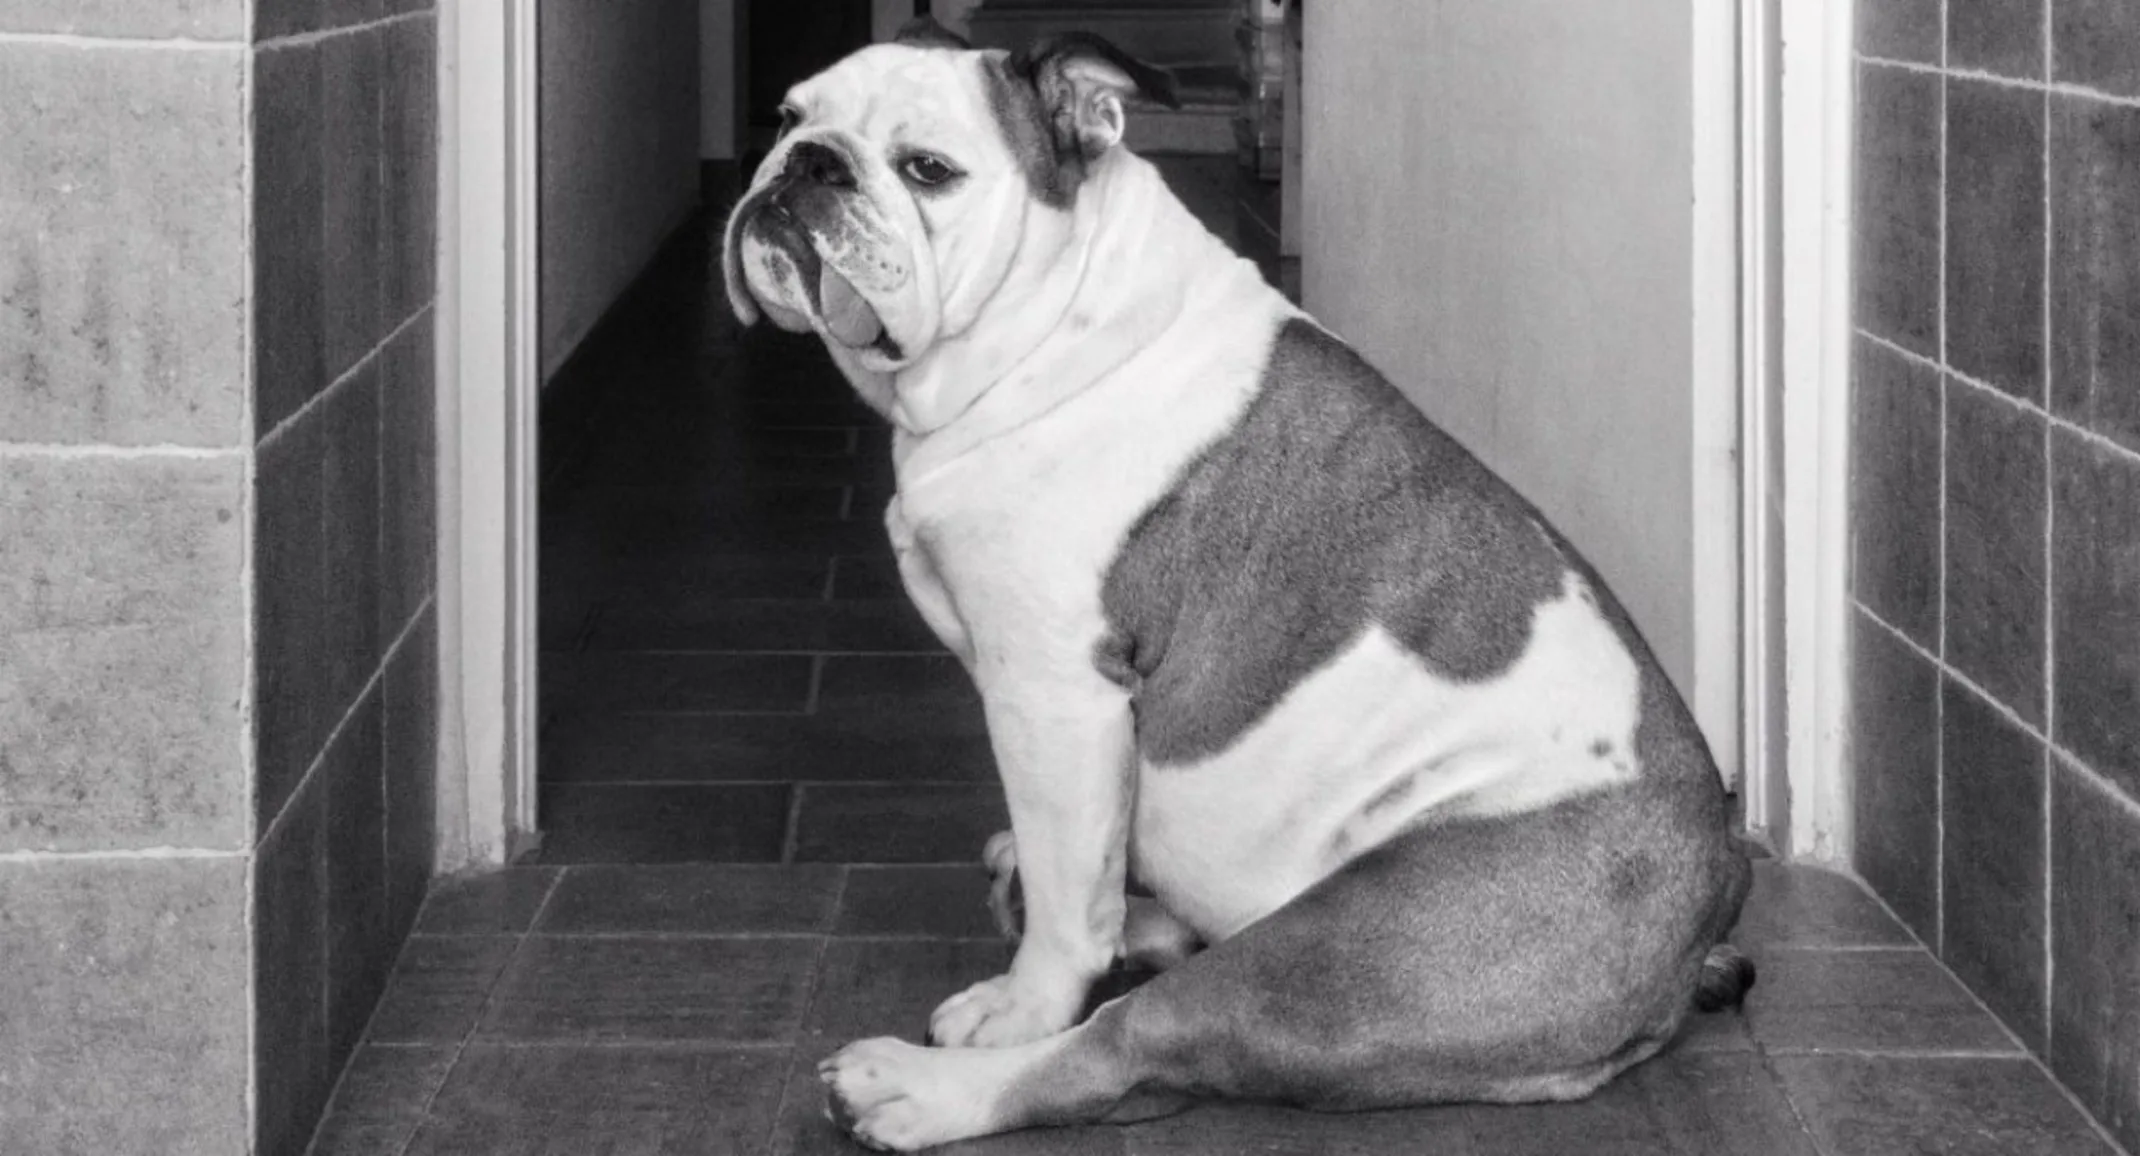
x: 785, y: 217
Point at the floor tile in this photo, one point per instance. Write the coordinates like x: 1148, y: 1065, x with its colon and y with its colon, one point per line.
x: 897, y: 824
x: 1213, y: 1128
x: 346, y: 1136
x: 730, y: 748
x: 1858, y: 1106
x: 929, y: 900
x: 1717, y: 1105
x: 625, y: 1100
x: 875, y: 987
x: 863, y: 577
x: 439, y: 987
x: 1888, y: 1001
x: 639, y: 989
x: 596, y: 823
x: 896, y: 693
x: 715, y: 576
x: 703, y: 623
x: 500, y: 903
x: 392, y: 1081
x: 676, y: 682
x: 693, y: 899
x: 1798, y: 906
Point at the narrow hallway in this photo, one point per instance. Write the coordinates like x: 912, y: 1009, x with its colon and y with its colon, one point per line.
x: 765, y: 790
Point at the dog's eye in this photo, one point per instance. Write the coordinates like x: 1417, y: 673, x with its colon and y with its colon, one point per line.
x: 790, y: 116
x: 926, y: 170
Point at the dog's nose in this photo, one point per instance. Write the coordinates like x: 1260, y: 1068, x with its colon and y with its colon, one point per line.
x: 818, y: 164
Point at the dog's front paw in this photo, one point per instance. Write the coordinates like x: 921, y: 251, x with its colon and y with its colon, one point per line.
x: 896, y: 1097
x: 1000, y: 1013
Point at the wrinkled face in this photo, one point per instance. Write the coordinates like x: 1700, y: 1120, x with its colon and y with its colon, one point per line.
x: 892, y: 205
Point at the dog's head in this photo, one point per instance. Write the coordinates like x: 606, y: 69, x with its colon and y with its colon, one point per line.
x: 909, y: 176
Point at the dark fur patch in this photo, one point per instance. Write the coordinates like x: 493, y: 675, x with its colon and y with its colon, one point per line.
x: 1727, y: 975
x: 1035, y: 107
x: 1015, y: 103
x: 1334, y: 504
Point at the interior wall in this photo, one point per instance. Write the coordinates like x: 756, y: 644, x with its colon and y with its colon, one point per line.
x: 620, y: 149
x: 719, y: 63
x: 1496, y: 212
x: 1995, y: 487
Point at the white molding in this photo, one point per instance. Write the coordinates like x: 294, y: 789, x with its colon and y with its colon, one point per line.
x: 487, y: 407
x: 1714, y: 376
x: 1763, y: 786
x: 1817, y: 117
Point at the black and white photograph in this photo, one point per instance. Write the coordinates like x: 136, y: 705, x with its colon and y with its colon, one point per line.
x: 1070, y: 577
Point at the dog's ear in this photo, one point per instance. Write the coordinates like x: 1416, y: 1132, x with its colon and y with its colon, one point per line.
x: 1081, y: 80
x: 925, y: 32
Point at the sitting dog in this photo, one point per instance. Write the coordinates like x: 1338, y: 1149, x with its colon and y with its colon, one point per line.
x: 1419, y: 815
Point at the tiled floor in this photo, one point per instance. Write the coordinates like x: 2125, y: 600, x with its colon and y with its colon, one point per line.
x: 679, y: 1009
x: 765, y: 792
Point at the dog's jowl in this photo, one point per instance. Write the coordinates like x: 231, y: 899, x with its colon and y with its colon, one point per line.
x: 1419, y: 815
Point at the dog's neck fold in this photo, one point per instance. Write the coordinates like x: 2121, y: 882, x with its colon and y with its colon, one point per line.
x: 1062, y: 320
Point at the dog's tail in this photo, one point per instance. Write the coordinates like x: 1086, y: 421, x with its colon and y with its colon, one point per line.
x: 1726, y: 976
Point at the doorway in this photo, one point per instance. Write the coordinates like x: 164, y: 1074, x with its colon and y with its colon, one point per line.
x: 500, y: 791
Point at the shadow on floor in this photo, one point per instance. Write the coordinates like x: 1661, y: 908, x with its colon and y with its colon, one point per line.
x: 765, y: 790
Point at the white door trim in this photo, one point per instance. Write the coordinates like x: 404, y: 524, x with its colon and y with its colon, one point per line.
x: 488, y: 389
x: 1817, y: 115
x: 1764, y: 787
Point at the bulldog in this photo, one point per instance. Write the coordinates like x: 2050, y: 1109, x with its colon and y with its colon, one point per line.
x: 1414, y: 814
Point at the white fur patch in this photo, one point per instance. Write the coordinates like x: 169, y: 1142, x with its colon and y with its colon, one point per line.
x: 1228, y: 840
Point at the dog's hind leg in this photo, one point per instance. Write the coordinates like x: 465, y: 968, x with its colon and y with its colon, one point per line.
x: 1521, y: 959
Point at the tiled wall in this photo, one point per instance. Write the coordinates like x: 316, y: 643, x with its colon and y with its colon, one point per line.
x: 1996, y: 494
x: 217, y: 684
x: 123, y: 514
x: 345, y: 196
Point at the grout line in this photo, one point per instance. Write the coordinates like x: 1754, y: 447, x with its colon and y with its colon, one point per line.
x: 795, y: 1051
x: 2073, y: 90
x: 319, y: 758
x: 2073, y: 761
x: 763, y: 653
x: 33, y: 856
x: 2019, y: 1054
x: 249, y: 536
x: 461, y: 1048
x: 817, y: 684
x: 2050, y: 514
x: 697, y: 1045
x: 299, y: 39
x: 81, y: 40
x: 356, y: 369
x: 1939, y: 698
x: 640, y: 784
x: 2025, y: 1054
x: 777, y: 937
x: 793, y: 826
x: 2082, y: 432
x: 74, y: 452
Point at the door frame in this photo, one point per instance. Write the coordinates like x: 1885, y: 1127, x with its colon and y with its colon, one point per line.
x: 1796, y: 119
x: 1815, y: 118
x: 490, y: 383
x: 1788, y: 228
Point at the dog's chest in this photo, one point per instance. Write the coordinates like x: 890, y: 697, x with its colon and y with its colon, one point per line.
x: 1024, y: 527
